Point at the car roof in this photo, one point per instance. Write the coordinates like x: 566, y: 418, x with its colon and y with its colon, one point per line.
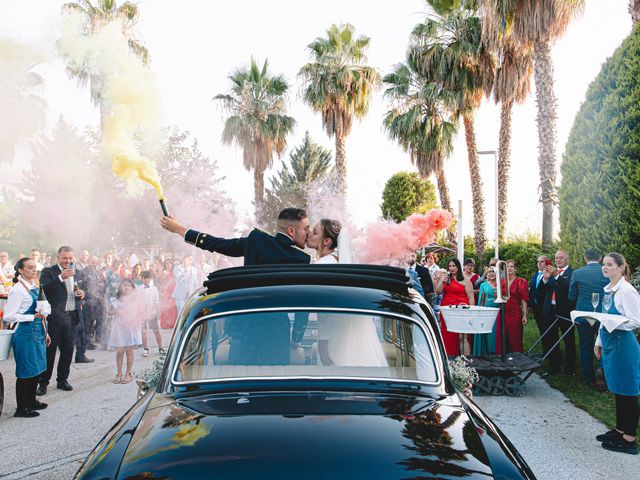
x: 351, y: 287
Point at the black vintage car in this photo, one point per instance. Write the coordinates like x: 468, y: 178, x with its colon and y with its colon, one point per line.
x: 306, y: 372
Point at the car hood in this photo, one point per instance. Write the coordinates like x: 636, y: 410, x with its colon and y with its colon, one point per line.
x: 320, y: 435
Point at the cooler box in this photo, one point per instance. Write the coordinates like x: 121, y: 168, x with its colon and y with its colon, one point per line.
x: 469, y: 319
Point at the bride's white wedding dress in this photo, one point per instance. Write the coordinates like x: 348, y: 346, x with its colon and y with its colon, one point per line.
x: 352, y: 339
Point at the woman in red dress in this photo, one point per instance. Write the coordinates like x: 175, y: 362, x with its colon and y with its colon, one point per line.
x: 468, y: 270
x: 457, y: 291
x: 515, y: 310
x: 168, y: 311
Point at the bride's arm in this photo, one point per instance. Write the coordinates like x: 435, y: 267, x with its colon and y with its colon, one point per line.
x: 439, y: 282
x: 323, y: 351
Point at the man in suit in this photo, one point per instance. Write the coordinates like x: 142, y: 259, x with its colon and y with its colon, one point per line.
x: 534, y: 305
x: 585, y: 282
x: 426, y: 282
x: 553, y: 294
x: 263, y: 340
x: 61, y: 287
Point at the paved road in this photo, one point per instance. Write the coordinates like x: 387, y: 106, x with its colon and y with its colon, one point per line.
x: 63, y: 435
x: 555, y: 437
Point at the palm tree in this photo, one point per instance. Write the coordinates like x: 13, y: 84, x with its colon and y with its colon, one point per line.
x: 452, y: 54
x: 512, y: 84
x: 634, y: 10
x: 257, y: 122
x: 339, y: 85
x: 540, y: 23
x: 97, y: 14
x: 419, y: 121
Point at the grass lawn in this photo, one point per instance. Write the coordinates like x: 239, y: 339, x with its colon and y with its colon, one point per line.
x: 598, y: 405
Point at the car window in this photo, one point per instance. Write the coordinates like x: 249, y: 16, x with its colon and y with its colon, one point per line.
x: 306, y: 344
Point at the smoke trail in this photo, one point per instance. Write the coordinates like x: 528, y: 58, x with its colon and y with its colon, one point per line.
x: 22, y: 112
x: 129, y: 92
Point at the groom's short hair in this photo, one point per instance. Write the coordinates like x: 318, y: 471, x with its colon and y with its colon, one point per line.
x: 293, y: 214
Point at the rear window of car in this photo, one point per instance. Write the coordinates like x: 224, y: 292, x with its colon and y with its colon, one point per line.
x: 306, y: 344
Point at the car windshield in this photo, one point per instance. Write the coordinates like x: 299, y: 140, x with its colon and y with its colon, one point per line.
x: 306, y: 344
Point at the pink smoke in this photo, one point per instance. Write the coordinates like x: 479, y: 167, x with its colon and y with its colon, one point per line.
x: 386, y: 240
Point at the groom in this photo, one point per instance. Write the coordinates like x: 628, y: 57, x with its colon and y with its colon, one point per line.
x: 259, y: 341
x: 258, y: 248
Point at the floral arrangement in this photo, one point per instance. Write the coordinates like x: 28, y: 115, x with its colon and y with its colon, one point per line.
x: 463, y: 375
x: 151, y: 375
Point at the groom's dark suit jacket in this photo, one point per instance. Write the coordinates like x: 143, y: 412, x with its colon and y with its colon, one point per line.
x: 258, y: 248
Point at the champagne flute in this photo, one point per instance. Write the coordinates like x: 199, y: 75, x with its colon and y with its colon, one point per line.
x: 595, y: 300
x: 606, y: 302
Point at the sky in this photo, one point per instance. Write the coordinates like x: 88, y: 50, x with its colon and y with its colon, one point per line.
x: 195, y: 44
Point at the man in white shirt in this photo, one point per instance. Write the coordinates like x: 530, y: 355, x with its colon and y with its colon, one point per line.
x: 187, y: 281
x: 35, y: 256
x: 152, y: 297
x: 6, y: 270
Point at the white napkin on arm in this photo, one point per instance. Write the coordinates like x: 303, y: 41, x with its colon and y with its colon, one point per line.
x: 608, y: 321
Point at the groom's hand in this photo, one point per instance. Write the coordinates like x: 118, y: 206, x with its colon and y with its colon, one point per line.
x: 171, y: 224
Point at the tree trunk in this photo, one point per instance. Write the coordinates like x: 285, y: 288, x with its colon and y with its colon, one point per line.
x: 634, y: 10
x: 341, y: 164
x: 258, y: 185
x: 445, y: 203
x: 546, y: 121
x: 504, y: 164
x: 477, y: 195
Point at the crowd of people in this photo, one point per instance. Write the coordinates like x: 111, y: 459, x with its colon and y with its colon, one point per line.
x: 104, y: 302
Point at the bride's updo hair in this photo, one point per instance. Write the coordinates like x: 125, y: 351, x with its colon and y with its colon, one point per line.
x: 331, y: 229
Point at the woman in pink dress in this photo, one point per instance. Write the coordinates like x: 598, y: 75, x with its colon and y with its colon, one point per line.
x: 168, y: 311
x: 515, y: 310
x: 457, y: 291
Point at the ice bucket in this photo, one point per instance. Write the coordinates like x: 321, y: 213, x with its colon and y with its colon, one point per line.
x: 469, y: 319
x: 5, y: 343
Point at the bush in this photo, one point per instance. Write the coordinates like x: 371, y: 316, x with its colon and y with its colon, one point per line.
x: 600, y: 192
x: 523, y: 252
x: 406, y: 193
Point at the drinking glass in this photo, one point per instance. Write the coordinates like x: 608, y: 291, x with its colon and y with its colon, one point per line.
x: 595, y: 300
x: 606, y: 302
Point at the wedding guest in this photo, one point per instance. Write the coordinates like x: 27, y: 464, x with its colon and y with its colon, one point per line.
x: 457, y: 290
x: 92, y: 311
x: 6, y: 271
x: 168, y: 310
x: 431, y: 263
x: 515, y: 310
x: 553, y: 294
x: 35, y: 256
x: 486, y: 342
x: 468, y: 270
x: 620, y: 355
x: 136, y: 275
x: 64, y: 295
x: 534, y: 305
x: 83, y: 260
x: 585, y: 283
x: 30, y: 339
x: 127, y: 310
x: 152, y: 313
x: 187, y: 281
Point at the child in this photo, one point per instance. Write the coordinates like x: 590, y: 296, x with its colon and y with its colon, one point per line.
x: 127, y: 311
x: 152, y: 311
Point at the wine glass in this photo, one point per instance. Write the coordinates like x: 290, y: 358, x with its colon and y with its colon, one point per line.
x: 606, y: 302
x: 595, y: 300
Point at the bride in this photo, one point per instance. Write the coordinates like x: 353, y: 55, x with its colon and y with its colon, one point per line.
x: 343, y: 339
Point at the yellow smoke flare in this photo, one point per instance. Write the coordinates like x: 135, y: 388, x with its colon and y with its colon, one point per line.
x: 130, y: 99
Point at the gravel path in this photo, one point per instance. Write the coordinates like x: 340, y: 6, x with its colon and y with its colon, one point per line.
x: 58, y: 441
x: 556, y: 438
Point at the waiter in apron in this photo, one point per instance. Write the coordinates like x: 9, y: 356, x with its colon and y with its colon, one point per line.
x: 30, y: 338
x: 620, y: 355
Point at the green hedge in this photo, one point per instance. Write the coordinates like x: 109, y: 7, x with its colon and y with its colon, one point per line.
x: 600, y: 192
x: 524, y: 253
